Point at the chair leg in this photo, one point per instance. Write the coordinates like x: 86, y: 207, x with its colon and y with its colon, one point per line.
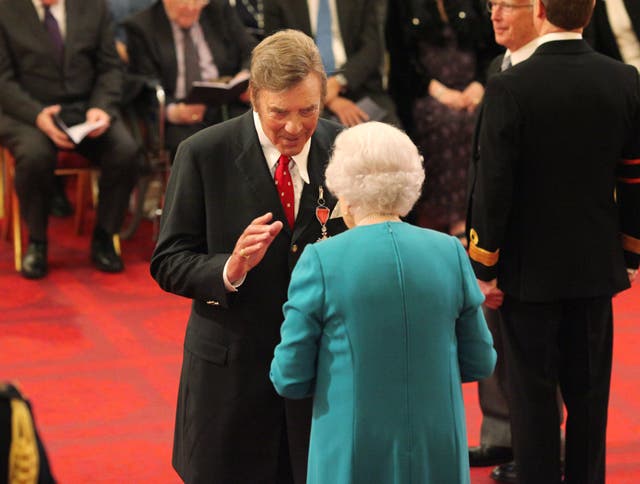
x: 116, y: 243
x: 12, y: 214
x: 3, y: 181
x: 6, y: 199
x: 82, y: 185
x: 17, y: 231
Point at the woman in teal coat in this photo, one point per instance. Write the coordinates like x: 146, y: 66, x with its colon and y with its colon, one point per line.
x: 382, y: 325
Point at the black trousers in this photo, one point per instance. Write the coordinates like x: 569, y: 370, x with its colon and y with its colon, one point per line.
x: 115, y: 151
x: 566, y: 343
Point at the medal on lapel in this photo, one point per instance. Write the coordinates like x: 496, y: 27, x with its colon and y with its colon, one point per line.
x: 322, y: 214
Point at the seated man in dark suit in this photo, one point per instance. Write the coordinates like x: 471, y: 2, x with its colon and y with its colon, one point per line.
x: 350, y: 39
x: 160, y: 40
x: 60, y: 58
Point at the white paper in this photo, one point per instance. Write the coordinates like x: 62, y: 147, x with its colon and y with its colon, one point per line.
x: 79, y: 131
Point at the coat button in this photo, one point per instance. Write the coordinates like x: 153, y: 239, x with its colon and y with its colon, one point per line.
x: 415, y: 21
x: 294, y: 248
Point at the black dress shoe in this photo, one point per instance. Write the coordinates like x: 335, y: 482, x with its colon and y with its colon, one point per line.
x: 489, y: 455
x: 60, y: 205
x: 34, y: 263
x: 505, y: 473
x: 103, y: 254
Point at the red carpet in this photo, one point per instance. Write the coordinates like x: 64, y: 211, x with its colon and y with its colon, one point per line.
x: 99, y: 356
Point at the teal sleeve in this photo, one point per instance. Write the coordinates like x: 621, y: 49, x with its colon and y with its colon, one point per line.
x: 476, y: 355
x: 293, y: 369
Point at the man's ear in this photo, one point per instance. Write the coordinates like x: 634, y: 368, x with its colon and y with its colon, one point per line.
x: 539, y: 10
x: 252, y: 97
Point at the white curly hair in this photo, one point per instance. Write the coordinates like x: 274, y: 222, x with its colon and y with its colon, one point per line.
x: 376, y: 169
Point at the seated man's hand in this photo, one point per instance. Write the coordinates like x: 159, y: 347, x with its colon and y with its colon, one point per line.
x: 347, y: 111
x: 97, y: 114
x: 181, y: 113
x: 47, y: 125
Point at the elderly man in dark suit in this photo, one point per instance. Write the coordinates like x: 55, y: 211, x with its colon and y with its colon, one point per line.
x: 513, y: 28
x: 353, y: 59
x: 158, y: 41
x: 556, y: 233
x: 244, y: 198
x: 59, y: 58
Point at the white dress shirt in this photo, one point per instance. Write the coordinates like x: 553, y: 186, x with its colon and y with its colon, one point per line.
x: 558, y: 36
x: 524, y: 52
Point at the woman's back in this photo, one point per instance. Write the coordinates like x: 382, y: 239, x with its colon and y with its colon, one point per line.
x: 392, y: 301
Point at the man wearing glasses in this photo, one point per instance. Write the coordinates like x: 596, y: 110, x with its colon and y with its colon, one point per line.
x: 555, y: 234
x: 513, y: 28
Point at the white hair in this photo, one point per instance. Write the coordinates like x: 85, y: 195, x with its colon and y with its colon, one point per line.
x: 375, y: 168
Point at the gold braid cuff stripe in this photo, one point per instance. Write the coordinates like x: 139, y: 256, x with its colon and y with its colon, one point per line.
x: 484, y: 257
x: 630, y: 244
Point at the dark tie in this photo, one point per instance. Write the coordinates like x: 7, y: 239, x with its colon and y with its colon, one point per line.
x: 324, y: 39
x: 284, y: 185
x: 53, y: 29
x: 191, y: 61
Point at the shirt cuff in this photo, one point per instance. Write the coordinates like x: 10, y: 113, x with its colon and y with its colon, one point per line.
x: 231, y: 286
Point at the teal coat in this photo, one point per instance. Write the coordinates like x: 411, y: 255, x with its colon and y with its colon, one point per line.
x: 382, y: 325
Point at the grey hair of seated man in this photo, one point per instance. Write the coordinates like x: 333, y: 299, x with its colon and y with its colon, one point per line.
x: 376, y: 169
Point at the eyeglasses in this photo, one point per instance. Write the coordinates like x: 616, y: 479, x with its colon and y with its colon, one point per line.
x: 193, y: 3
x: 506, y: 7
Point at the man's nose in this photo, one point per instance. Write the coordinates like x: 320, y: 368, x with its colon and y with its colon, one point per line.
x: 293, y: 125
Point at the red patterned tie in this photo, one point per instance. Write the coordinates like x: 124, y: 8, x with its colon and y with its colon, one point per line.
x: 285, y: 188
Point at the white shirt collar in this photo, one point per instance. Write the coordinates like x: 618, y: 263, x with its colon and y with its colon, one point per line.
x: 272, y: 154
x: 559, y: 36
x: 523, y: 53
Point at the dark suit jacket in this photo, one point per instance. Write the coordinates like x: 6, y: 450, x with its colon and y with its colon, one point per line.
x: 30, y: 77
x: 219, y: 183
x: 152, y: 51
x: 361, y: 30
x: 494, y: 69
x: 555, y: 130
x: 599, y: 34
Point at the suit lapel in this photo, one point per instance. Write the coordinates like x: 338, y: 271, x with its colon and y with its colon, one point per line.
x: 300, y: 10
x: 216, y: 44
x: 346, y: 12
x: 166, y: 47
x: 73, y: 15
x: 316, y: 165
x: 253, y: 166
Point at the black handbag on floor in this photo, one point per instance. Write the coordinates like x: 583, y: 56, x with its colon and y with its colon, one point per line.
x: 23, y: 459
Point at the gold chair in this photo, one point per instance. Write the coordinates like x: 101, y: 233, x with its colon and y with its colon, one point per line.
x: 69, y: 163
